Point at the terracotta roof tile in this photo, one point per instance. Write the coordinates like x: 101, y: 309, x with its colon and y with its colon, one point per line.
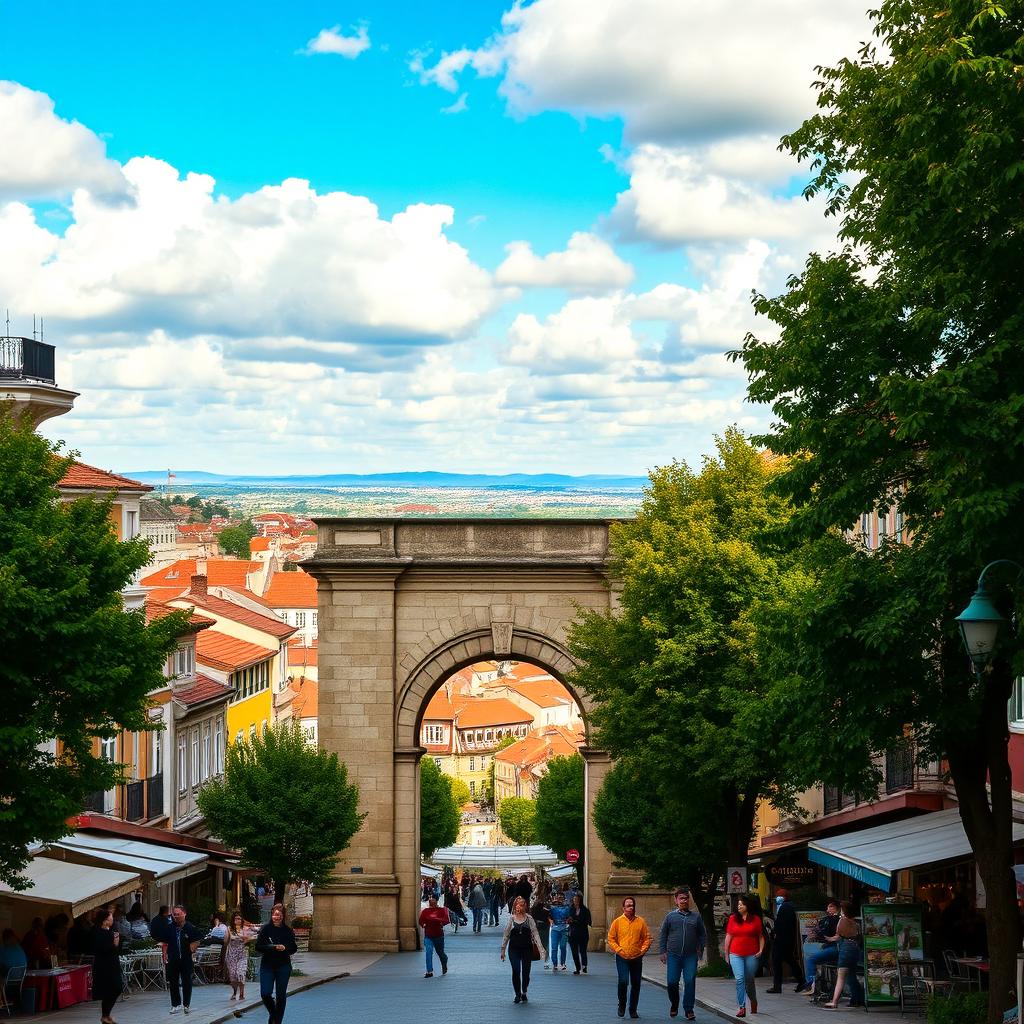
x: 158, y: 610
x: 221, y: 572
x: 227, y: 653
x: 266, y: 623
x: 299, y: 656
x: 202, y: 690
x: 541, y: 745
x: 304, y: 704
x: 259, y: 544
x: 291, y: 590
x: 83, y: 477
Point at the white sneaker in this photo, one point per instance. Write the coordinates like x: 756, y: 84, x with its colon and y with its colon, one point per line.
x: 562, y: 968
x: 175, y: 1009
x: 187, y: 1010
x: 547, y: 967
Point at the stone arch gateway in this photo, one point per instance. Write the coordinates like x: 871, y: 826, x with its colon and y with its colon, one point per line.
x: 404, y: 603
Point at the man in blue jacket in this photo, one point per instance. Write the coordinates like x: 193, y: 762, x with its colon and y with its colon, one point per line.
x: 182, y: 940
x: 681, y: 944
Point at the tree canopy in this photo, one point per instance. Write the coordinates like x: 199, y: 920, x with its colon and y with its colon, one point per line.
x: 286, y: 806
x: 440, y: 815
x: 76, y: 666
x: 460, y: 791
x: 560, y: 814
x: 897, y: 385
x: 234, y: 540
x: 517, y: 816
x: 676, y: 671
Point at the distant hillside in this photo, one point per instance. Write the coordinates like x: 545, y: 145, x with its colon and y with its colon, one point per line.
x: 183, y: 478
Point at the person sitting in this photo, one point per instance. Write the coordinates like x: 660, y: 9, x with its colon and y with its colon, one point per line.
x: 217, y: 934
x: 11, y: 953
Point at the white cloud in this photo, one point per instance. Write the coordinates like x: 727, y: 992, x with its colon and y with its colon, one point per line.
x: 485, y: 62
x: 586, y: 334
x: 588, y: 264
x: 333, y: 40
x: 44, y: 156
x: 672, y: 70
x: 457, y: 107
x: 283, y: 260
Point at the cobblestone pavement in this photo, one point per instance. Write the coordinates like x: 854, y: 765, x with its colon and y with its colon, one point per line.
x: 476, y: 990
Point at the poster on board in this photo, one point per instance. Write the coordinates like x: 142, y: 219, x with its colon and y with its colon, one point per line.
x: 812, y: 941
x: 908, y: 922
x: 878, y: 927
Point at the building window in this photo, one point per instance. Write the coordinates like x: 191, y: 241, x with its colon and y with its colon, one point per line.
x: 158, y: 752
x: 898, y: 532
x: 300, y: 619
x: 239, y: 736
x: 195, y: 757
x: 472, y: 790
x: 218, y: 748
x: 1017, y: 703
x: 433, y: 734
x: 108, y: 748
x: 437, y: 761
x: 184, y: 662
x: 182, y: 765
x: 483, y: 763
x: 472, y: 764
x: 314, y: 619
x: 883, y: 524
x: 207, y: 751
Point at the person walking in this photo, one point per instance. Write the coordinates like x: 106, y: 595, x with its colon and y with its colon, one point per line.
x: 497, y: 899
x: 681, y: 943
x: 107, y: 983
x: 181, y: 940
x: 744, y: 944
x: 276, y: 943
x: 541, y: 914
x: 848, y: 937
x: 521, y: 939
x: 477, y: 902
x: 432, y: 920
x: 579, y: 932
x: 558, y: 918
x: 236, y: 954
x: 629, y: 939
x: 784, y: 939
x: 829, y: 952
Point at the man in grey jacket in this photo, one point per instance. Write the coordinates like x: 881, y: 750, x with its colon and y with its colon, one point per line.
x: 681, y: 944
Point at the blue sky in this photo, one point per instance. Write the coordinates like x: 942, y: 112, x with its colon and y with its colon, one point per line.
x: 375, y: 318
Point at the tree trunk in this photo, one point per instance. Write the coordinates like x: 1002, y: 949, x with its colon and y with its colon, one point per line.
x: 981, y: 776
x: 280, y: 891
x: 703, y: 891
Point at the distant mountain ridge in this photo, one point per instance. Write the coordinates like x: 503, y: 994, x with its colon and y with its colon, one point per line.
x: 183, y: 478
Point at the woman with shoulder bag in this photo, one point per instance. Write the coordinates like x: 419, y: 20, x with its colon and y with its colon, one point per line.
x: 523, y: 942
x: 848, y: 934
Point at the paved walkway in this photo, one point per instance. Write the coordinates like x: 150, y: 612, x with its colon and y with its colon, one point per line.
x: 476, y: 990
x: 719, y: 996
x: 210, y: 1003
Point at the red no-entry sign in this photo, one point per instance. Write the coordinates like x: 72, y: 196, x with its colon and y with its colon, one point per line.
x: 572, y: 856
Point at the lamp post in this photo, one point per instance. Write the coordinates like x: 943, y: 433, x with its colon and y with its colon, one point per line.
x: 980, y: 620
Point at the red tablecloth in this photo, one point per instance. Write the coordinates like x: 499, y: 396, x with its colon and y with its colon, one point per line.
x: 62, y: 987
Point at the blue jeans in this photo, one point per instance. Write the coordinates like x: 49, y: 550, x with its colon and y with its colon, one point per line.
x: 271, y: 978
x: 429, y: 947
x: 828, y: 955
x: 630, y: 974
x: 850, y: 958
x: 685, y: 965
x: 744, y: 968
x: 559, y: 937
x: 478, y: 918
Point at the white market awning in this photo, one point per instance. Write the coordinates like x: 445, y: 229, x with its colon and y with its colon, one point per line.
x: 429, y: 872
x: 164, y: 864
x: 560, y: 871
x: 74, y: 887
x: 495, y: 858
x: 875, y: 855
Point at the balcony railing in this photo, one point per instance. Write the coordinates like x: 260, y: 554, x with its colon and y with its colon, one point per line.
x: 135, y: 801
x: 95, y: 802
x: 26, y: 359
x: 899, y: 767
x: 155, y: 795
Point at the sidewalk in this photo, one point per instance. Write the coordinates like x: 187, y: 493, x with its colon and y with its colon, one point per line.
x: 718, y: 996
x: 210, y: 1003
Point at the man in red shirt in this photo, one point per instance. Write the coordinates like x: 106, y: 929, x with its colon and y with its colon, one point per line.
x: 432, y: 920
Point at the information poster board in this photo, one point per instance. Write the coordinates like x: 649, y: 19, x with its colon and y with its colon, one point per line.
x: 909, y: 925
x: 878, y: 926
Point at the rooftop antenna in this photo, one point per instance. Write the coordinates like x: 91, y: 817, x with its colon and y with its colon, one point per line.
x: 33, y: 327
x: 40, y: 328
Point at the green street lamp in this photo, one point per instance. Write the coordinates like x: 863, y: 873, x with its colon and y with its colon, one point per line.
x: 980, y: 620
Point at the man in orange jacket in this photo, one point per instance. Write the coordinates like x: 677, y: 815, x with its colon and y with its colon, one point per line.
x: 629, y: 938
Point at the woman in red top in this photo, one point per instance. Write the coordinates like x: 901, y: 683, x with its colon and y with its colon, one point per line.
x: 744, y: 944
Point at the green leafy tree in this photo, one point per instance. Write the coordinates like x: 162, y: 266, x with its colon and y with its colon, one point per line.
x: 440, y: 815
x: 676, y: 670
x: 561, y: 822
x: 288, y: 807
x: 489, y: 793
x: 234, y: 540
x: 76, y: 666
x: 647, y: 827
x: 897, y: 384
x: 460, y: 791
x: 518, y: 819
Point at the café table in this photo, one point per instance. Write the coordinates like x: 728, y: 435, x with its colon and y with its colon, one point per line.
x: 58, y: 987
x: 978, y: 964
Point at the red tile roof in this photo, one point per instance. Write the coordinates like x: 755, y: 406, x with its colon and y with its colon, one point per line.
x: 300, y: 656
x: 304, y: 704
x: 221, y: 572
x: 227, y: 653
x: 83, y: 477
x: 479, y: 712
x: 202, y: 690
x: 541, y: 745
x: 545, y: 693
x: 158, y: 610
x: 259, y: 544
x: 236, y: 613
x: 291, y: 590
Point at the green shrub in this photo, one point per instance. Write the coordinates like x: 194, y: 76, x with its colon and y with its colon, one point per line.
x: 302, y: 921
x: 961, y: 1008
x: 715, y: 969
